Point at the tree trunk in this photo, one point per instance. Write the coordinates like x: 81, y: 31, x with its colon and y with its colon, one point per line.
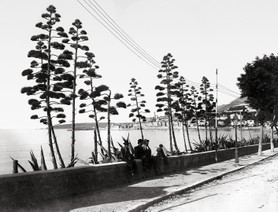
x: 198, y: 130
x: 184, y: 140
x: 109, y: 127
x: 138, y: 113
x: 57, y: 148
x: 170, y: 134
x: 48, y: 113
x: 173, y: 132
x: 97, y: 129
x: 188, y: 137
x: 50, y: 141
x: 95, y: 147
x: 210, y: 135
x: 73, y: 105
x: 261, y: 141
x: 96, y: 119
x: 206, y: 129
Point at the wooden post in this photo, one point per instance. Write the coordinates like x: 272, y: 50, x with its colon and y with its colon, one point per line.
x: 236, y: 149
x: 15, y: 166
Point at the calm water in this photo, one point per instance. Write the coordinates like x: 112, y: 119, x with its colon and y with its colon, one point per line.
x: 18, y: 143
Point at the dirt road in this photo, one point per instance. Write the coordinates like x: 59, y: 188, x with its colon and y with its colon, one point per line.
x: 249, y: 190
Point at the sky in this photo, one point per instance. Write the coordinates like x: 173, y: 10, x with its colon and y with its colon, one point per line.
x: 202, y: 36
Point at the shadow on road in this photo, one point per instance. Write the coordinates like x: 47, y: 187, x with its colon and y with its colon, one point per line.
x: 92, y: 199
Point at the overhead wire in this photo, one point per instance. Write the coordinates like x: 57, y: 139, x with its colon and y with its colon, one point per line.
x: 115, y: 35
x: 106, y: 20
x: 119, y: 29
x: 222, y: 86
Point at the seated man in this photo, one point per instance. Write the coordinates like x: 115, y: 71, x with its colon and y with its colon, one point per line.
x: 138, y: 150
x: 128, y: 157
x: 147, y: 160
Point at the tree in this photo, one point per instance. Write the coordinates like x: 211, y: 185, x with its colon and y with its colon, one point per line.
x: 166, y: 94
x: 196, y: 106
x: 78, y: 36
x: 208, y: 105
x: 185, y: 111
x: 136, y: 112
x: 112, y: 110
x: 259, y: 85
x: 93, y: 94
x: 47, y: 71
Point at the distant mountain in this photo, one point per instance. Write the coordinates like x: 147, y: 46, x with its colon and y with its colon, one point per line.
x: 81, y: 126
x: 233, y: 103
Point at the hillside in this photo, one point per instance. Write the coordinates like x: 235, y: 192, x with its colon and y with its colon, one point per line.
x: 81, y: 126
x: 233, y: 103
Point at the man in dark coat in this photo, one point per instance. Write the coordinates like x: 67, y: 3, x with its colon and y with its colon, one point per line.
x: 128, y: 157
x: 147, y: 157
x: 138, y: 150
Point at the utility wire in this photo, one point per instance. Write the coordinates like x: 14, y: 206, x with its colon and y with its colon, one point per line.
x: 112, y: 26
x: 228, y: 89
x: 106, y: 20
x: 120, y: 30
x: 226, y: 93
x: 130, y: 48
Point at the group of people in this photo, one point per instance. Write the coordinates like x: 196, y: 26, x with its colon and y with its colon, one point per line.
x: 143, y: 152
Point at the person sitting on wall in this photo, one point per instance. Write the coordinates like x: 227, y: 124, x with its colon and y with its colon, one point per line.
x: 139, y: 150
x: 117, y: 153
x: 128, y: 157
x: 147, y: 161
x: 161, y: 154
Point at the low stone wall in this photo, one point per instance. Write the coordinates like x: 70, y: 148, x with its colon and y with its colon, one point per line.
x: 27, y: 188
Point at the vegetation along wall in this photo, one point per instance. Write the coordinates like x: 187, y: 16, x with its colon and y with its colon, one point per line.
x: 27, y: 188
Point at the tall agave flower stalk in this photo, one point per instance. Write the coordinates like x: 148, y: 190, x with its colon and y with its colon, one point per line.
x: 137, y: 112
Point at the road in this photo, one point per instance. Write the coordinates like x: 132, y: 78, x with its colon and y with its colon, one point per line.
x: 249, y: 190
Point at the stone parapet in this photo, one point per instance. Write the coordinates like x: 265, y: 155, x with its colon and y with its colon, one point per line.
x: 27, y: 188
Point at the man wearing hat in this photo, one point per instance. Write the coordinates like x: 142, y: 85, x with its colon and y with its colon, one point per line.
x: 128, y: 157
x: 138, y: 150
x: 147, y: 156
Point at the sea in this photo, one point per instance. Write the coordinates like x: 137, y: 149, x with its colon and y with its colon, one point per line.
x: 18, y: 143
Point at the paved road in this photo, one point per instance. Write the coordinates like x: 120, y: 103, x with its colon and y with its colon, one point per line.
x: 249, y: 190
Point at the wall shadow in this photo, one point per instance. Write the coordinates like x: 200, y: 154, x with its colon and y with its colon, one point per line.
x: 90, y: 199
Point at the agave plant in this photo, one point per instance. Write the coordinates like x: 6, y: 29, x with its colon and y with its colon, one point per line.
x: 73, y: 162
x: 222, y: 141
x: 19, y: 166
x: 199, y: 146
x: 34, y: 162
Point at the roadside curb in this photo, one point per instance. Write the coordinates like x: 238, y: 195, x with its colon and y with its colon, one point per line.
x: 196, y: 185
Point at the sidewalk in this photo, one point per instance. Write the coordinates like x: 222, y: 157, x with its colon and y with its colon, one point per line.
x: 138, y: 196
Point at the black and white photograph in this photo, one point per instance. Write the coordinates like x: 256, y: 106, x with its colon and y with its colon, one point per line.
x: 139, y: 105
